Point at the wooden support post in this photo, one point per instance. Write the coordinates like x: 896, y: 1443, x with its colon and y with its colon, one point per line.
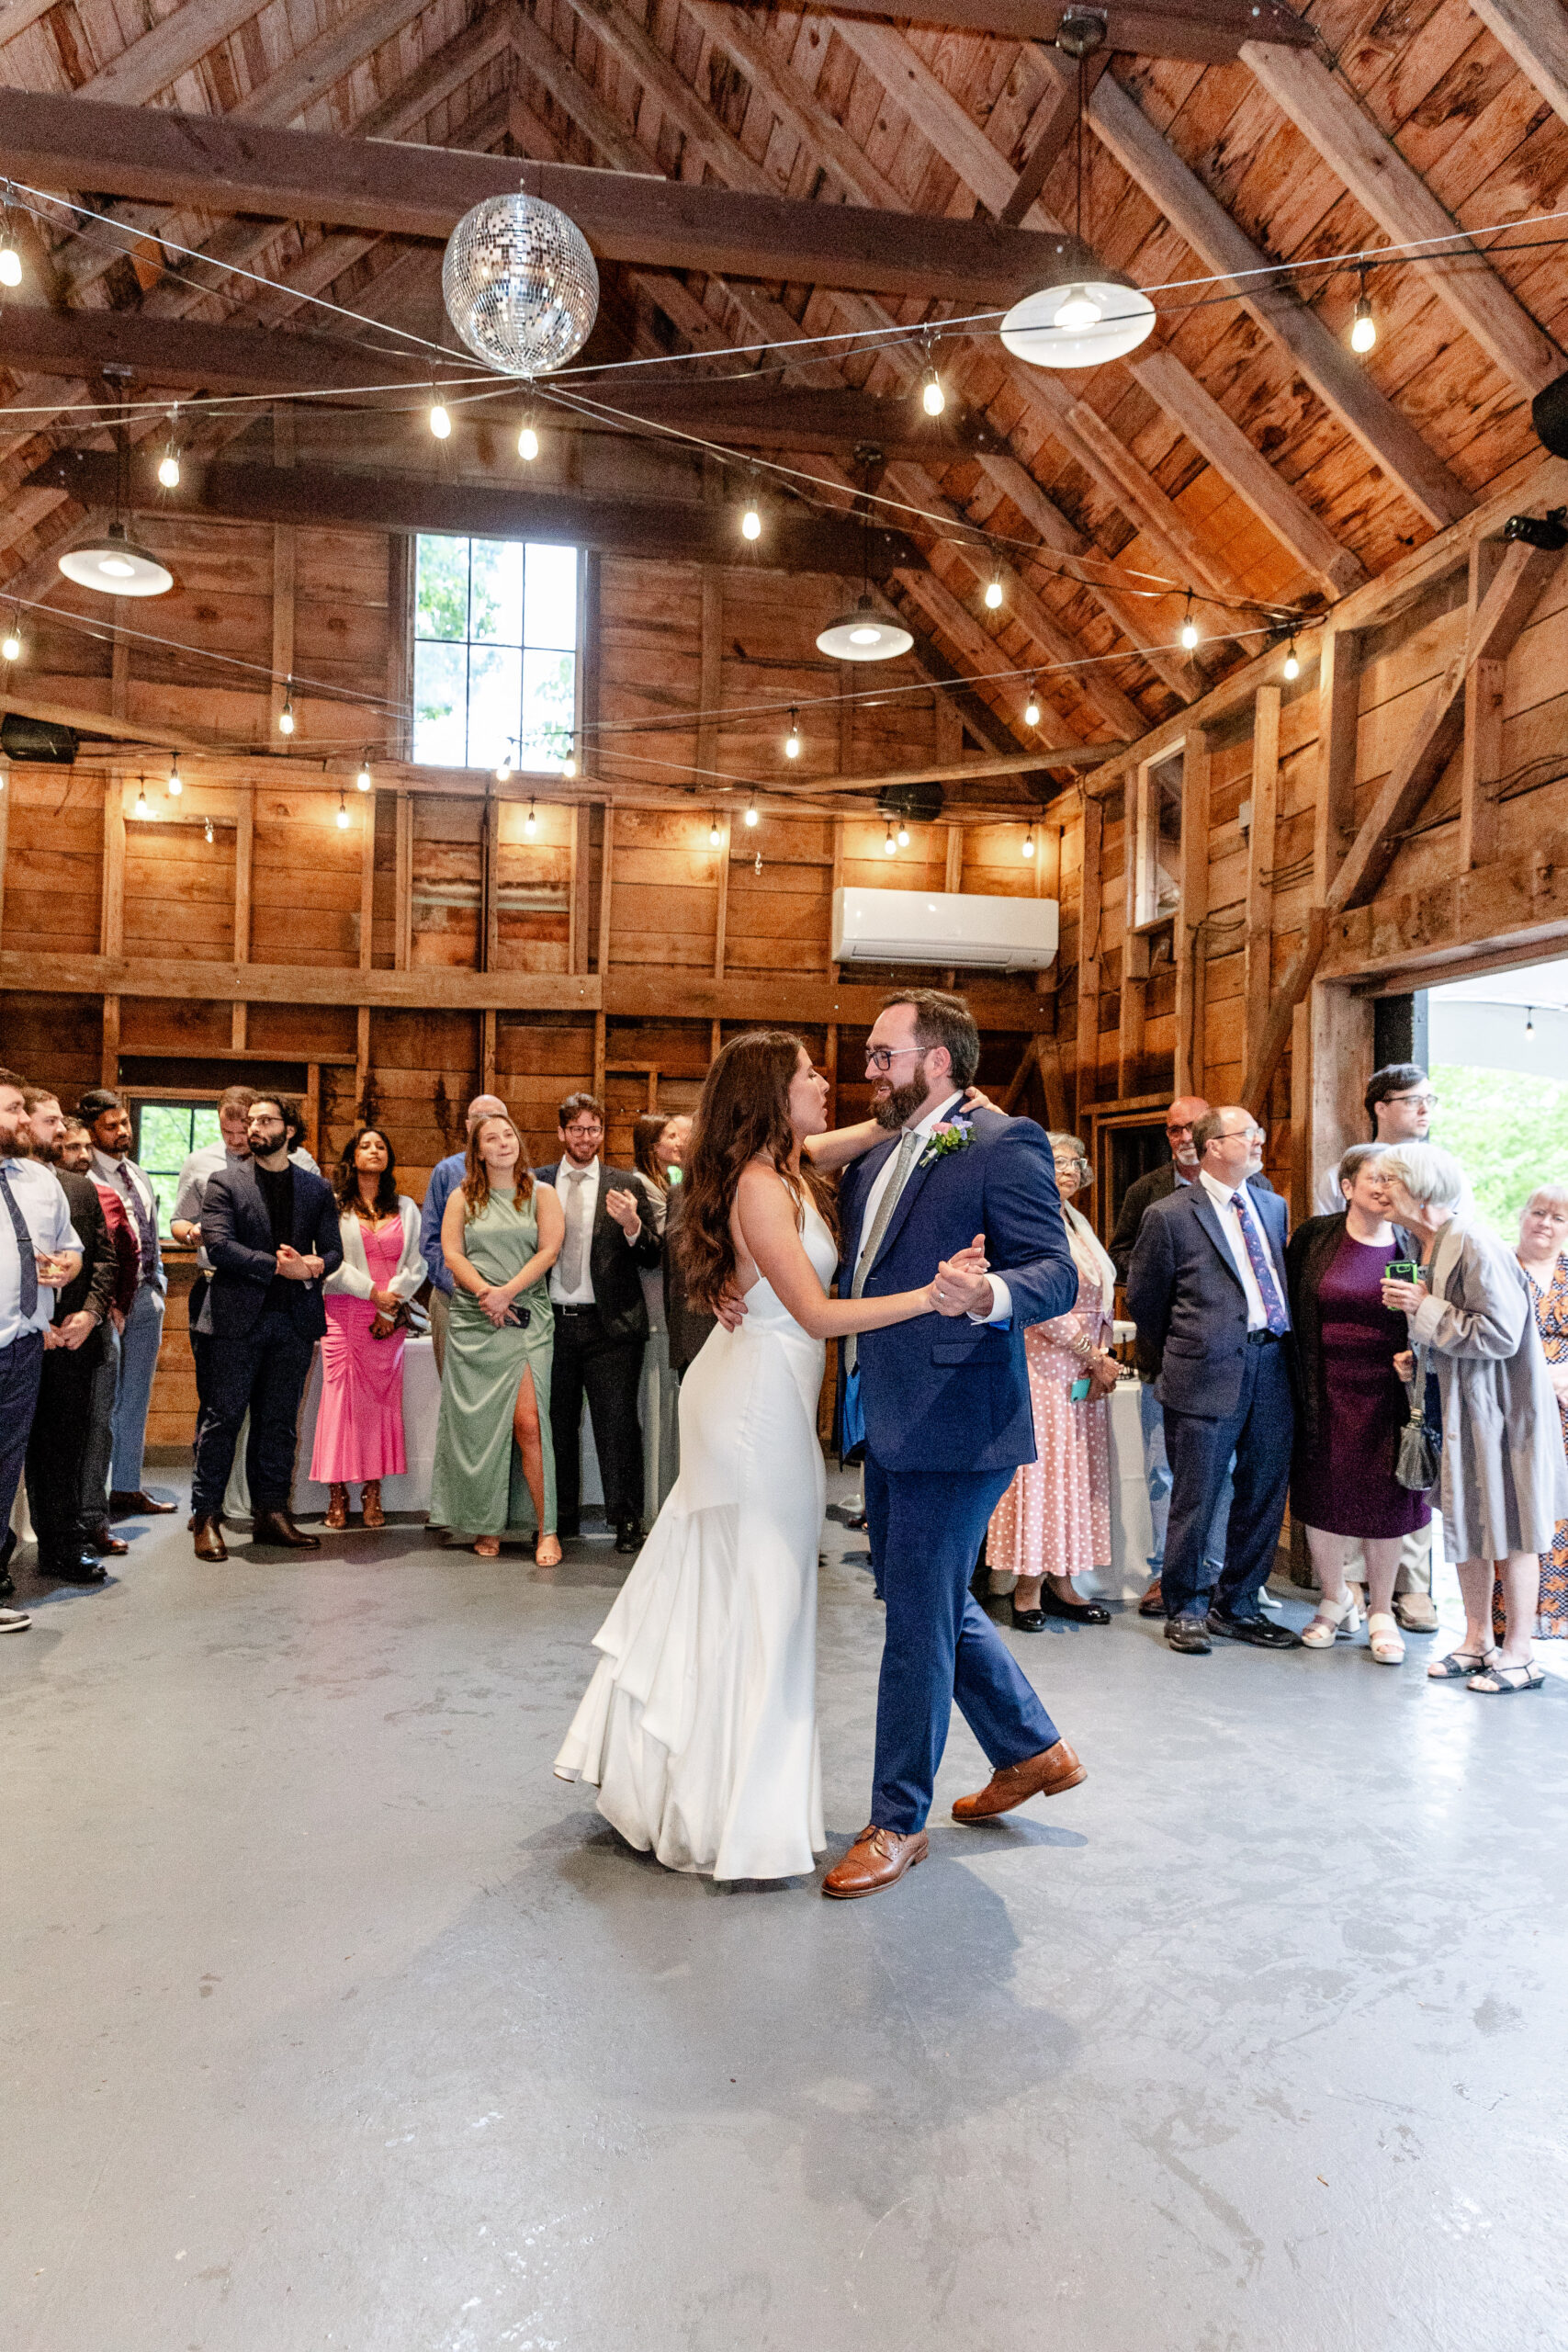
x: 119, y: 672
x: 313, y: 1108
x: 830, y: 1070
x: 1090, y: 918
x: 721, y: 908
x: 710, y: 675
x: 598, y: 1087
x: 5, y: 828
x: 245, y: 857
x: 283, y: 553
x: 1260, y: 944
x: 1483, y: 764
x: 952, y: 879
x: 361, y: 1061
x: 606, y: 887
x: 111, y: 903
x: 835, y: 883
x: 109, y: 1063
x: 486, y: 1050
x: 1331, y: 1053
x: 1129, y: 1028
x: 715, y: 1039
x: 1338, y: 710
x: 1048, y: 884
x: 1192, y: 908
x: 367, y: 884
x: 402, y: 952
x: 401, y: 590
x: 488, y: 927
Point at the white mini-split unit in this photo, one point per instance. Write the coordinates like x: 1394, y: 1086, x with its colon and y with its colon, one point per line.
x: 945, y: 927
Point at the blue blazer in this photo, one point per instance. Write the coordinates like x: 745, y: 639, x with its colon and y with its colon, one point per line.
x: 1186, y: 1296
x: 948, y: 1395
x: 236, y: 1233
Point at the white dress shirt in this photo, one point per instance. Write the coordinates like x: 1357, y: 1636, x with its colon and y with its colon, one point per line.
x: 1224, y: 1198
x: 582, y: 1296
x: 46, y: 1212
x: 1001, y: 1297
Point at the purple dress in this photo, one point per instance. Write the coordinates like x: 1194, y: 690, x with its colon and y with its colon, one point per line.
x: 1347, y: 1485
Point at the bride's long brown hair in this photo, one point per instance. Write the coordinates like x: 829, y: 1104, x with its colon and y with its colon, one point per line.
x: 743, y: 1115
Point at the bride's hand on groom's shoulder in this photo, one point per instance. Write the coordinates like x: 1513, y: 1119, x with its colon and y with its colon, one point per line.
x: 975, y: 1100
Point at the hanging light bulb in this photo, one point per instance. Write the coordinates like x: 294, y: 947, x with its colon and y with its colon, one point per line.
x: 1029, y: 841
x: 11, y: 643
x: 890, y: 846
x: 1363, y: 326
x: 530, y: 823
x: 363, y: 780
x: 207, y: 829
x: 993, y: 591
x: 568, y: 765
x: 1529, y: 1021
x: 933, y: 399
x: 792, y: 740
x: 169, y: 463
x: 528, y: 444
x: 503, y: 772
x: 286, y: 715
x: 142, y: 808
x: 715, y: 837
x: 342, y: 814
x: 440, y: 423
x: 1031, y: 707
x: 1189, y: 625
x: 752, y: 816
x: 1078, y: 311
x: 903, y: 835
x: 177, y: 783
x: 752, y: 520
x: 10, y: 261
x: 1292, y: 661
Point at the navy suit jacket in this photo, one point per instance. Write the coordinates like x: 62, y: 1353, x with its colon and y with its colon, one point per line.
x: 236, y: 1233
x: 947, y: 1395
x: 1187, y: 1299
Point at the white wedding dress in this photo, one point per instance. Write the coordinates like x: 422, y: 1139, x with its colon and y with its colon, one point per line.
x: 699, y: 1727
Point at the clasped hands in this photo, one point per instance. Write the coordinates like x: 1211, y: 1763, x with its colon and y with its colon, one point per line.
x: 296, y: 1269
x: 497, y: 1302
x: 963, y: 1282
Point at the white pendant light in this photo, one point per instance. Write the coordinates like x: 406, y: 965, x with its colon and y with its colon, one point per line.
x: 116, y: 566
x: 863, y: 633
x: 1085, y: 313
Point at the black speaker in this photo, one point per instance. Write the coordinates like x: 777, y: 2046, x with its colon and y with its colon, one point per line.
x: 1549, y: 413
x: 35, y: 740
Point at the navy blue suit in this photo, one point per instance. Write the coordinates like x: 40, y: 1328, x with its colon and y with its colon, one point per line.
x: 1222, y: 1391
x: 947, y: 1422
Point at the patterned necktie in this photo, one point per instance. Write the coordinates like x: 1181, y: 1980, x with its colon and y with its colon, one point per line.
x: 904, y: 1160
x: 1262, y: 1271
x: 571, y: 1248
x: 27, y: 1300
x: 143, y: 1224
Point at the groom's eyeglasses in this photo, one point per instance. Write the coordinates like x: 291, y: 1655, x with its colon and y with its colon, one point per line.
x: 882, y: 1058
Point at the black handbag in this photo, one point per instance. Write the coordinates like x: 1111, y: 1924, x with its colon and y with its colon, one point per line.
x: 1420, y: 1445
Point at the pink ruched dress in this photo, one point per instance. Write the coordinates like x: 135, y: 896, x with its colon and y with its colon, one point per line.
x: 359, y: 1429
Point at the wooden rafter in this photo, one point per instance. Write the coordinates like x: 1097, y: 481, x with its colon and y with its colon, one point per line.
x: 1535, y: 34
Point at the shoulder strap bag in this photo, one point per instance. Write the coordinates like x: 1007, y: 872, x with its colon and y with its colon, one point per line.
x: 1420, y: 1445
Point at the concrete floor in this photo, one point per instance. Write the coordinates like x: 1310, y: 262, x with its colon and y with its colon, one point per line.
x: 333, y: 2019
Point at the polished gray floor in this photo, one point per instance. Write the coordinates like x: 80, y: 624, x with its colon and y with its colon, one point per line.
x: 331, y: 2019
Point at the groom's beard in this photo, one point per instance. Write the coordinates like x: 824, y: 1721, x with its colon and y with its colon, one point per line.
x: 900, y: 1105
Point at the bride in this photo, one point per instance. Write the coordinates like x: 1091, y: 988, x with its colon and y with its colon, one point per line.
x: 699, y: 1726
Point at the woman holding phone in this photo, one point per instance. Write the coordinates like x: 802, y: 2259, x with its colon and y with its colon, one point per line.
x: 1352, y: 1404
x: 500, y: 1233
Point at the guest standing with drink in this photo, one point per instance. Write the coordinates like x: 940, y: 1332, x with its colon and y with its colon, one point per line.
x: 500, y: 1233
x: 359, y: 1429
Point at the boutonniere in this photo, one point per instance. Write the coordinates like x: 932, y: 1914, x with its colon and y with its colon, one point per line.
x: 950, y: 1136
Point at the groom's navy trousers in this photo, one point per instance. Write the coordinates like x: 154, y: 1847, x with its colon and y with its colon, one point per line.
x: 948, y: 1420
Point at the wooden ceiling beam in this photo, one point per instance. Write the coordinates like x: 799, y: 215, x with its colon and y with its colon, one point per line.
x: 1326, y: 111
x: 1207, y: 32
x: 1535, y: 34
x: 1335, y: 374
x: 67, y: 144
x: 310, y: 72
x: 961, y: 628
x: 153, y: 64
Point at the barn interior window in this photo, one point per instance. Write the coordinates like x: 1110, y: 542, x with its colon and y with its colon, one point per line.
x: 166, y: 1134
x: 495, y: 645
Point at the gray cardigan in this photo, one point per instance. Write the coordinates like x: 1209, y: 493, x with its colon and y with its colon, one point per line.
x: 1505, y: 1476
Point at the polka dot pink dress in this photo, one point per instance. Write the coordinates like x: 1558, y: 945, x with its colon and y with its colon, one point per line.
x: 1054, y: 1519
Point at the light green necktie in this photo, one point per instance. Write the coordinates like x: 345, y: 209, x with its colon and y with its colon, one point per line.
x: 909, y: 1145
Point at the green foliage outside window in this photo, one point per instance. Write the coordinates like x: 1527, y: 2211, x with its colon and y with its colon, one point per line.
x: 167, y: 1134
x: 1510, y: 1132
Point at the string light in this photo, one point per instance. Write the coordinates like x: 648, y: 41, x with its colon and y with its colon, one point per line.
x: 169, y: 463
x: 530, y: 823
x: 1189, y: 625
x: 286, y: 715
x: 363, y: 780
x: 568, y: 765
x: 1363, y: 326
x: 1031, y: 707
x: 933, y: 399
x: 752, y: 520
x: 715, y: 837
x: 792, y: 740
x: 890, y: 845
x: 11, y: 643
x: 503, y: 772
x: 177, y: 783
x: 1029, y: 840
x: 993, y: 591
x: 342, y: 814
x: 528, y: 444
x: 440, y: 423
x: 1529, y: 1021
x: 10, y: 262
x: 752, y: 816
x: 207, y: 829
x: 142, y: 808
x: 903, y: 835
x: 1292, y: 661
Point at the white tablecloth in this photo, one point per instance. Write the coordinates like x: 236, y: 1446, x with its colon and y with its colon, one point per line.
x: 1132, y: 1530
x: 422, y: 1405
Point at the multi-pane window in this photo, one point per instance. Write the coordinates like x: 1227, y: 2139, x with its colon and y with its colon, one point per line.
x: 168, y: 1132
x: 494, y: 653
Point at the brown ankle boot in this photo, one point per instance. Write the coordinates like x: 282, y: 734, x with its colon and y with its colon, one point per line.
x: 337, y: 1508
x: 370, y: 1504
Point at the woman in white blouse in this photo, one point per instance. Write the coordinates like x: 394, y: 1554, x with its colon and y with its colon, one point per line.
x: 359, y: 1429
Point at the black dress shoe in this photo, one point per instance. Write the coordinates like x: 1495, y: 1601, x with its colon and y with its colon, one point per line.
x: 1255, y: 1630
x: 107, y: 1545
x: 568, y: 1532
x: 1028, y: 1621
x: 1076, y: 1612
x: 1189, y: 1634
x: 628, y: 1536
x: 7, y: 1548
x: 276, y: 1527
x: 8, y: 1584
x: 73, y: 1564
x: 208, y: 1532
x: 858, y: 1522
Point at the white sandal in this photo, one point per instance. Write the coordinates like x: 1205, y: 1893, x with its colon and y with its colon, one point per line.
x: 1336, y: 1625
x: 1382, y: 1637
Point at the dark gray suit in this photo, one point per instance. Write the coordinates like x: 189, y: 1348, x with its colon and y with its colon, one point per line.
x: 1222, y: 1391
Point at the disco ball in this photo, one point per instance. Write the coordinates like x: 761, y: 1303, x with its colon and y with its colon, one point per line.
x: 520, y: 284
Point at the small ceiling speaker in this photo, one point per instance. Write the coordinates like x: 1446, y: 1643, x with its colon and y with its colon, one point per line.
x: 1549, y: 413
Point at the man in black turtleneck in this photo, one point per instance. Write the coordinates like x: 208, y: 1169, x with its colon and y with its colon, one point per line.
x: 271, y: 1232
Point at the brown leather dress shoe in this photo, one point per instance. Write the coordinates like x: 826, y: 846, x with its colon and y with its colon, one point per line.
x: 278, y: 1527
x: 1045, y: 1775
x: 136, y: 1504
x: 875, y: 1860
x: 1152, y: 1601
x: 210, y: 1543
x: 107, y: 1546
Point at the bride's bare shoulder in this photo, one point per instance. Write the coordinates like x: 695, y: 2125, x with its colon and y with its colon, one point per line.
x: 760, y: 1176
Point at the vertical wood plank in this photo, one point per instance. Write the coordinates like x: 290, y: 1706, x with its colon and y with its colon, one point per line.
x: 4, y: 829
x: 1480, y: 765
x: 367, y: 882
x: 488, y: 929
x: 1048, y: 884
x: 398, y: 734
x: 111, y: 903
x: 952, y: 879
x: 244, y: 866
x: 590, y: 668
x: 361, y: 1061
x: 487, y: 1051
x: 606, y: 887
x: 119, y: 671
x: 1258, y: 958
x: 108, y: 1060
x: 314, y: 1109
x: 1089, y: 920
x: 581, y: 871
x: 715, y: 1039
x: 721, y: 910
x: 599, y: 1040
x: 1339, y: 708
x: 835, y: 883
x: 282, y: 617
x: 1130, y: 1026
x: 1191, y: 914
x: 848, y: 682
x: 710, y: 678
x: 830, y: 1071
x: 402, y: 952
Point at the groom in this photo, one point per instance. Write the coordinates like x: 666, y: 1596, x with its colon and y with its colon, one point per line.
x: 944, y: 1410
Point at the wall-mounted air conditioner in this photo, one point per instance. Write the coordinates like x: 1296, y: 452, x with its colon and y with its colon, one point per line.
x: 945, y: 927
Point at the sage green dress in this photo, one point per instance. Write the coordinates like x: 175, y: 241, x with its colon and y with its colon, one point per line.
x: 477, y: 1486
